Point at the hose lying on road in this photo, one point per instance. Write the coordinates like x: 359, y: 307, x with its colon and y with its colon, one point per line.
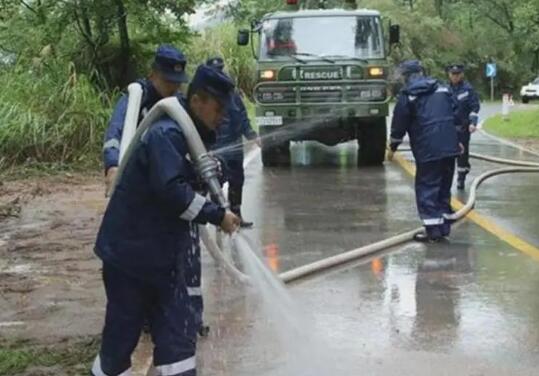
x: 509, y: 162
x: 343, y: 258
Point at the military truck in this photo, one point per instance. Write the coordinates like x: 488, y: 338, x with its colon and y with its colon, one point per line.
x: 321, y: 75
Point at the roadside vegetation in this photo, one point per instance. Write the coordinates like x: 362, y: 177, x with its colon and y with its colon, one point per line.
x: 518, y: 125
x: 68, y: 358
x: 63, y: 64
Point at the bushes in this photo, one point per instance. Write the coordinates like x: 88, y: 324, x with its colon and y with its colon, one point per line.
x: 50, y: 113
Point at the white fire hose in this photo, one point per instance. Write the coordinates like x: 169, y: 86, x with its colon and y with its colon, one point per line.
x: 343, y: 258
x: 172, y: 108
x: 131, y: 138
x: 134, y: 100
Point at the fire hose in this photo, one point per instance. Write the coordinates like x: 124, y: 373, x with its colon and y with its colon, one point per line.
x: 205, y: 165
x: 207, y: 170
x: 353, y: 255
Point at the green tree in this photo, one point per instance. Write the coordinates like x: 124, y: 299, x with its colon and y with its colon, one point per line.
x: 103, y: 36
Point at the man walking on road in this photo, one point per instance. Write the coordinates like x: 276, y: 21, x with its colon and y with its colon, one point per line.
x: 146, y: 232
x: 467, y: 117
x: 425, y: 110
x: 234, y: 127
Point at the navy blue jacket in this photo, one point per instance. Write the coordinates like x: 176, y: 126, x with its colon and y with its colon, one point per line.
x: 426, y: 111
x: 468, y: 105
x: 113, y: 134
x: 146, y: 226
x: 234, y: 125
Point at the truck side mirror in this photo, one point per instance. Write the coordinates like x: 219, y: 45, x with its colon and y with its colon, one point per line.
x: 243, y: 37
x: 394, y: 34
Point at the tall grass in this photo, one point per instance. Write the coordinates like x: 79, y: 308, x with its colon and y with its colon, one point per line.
x: 50, y: 113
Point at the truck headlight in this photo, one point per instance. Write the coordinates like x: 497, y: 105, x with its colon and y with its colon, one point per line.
x: 376, y: 72
x: 268, y: 75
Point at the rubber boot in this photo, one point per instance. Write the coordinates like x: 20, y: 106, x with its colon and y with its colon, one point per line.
x: 421, y: 237
x: 432, y: 234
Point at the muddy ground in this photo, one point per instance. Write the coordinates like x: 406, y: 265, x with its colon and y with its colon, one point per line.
x: 49, y: 276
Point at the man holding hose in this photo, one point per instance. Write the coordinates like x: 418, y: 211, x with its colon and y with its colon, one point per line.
x: 146, y: 231
x: 165, y: 80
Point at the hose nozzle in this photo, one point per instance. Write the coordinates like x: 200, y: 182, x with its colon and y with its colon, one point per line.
x: 208, y: 169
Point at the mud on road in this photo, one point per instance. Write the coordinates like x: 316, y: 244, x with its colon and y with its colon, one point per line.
x: 50, y: 281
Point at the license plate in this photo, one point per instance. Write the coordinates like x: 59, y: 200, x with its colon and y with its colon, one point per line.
x: 269, y: 120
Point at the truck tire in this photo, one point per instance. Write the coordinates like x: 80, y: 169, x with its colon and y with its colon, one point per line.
x: 372, y: 143
x: 525, y: 99
x: 276, y: 155
x: 275, y: 150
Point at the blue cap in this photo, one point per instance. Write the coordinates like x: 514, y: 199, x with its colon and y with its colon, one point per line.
x: 455, y: 68
x: 410, y: 67
x: 171, y: 63
x: 214, y: 82
x: 216, y: 62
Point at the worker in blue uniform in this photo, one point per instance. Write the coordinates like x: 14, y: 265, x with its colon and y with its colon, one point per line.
x: 165, y: 80
x: 229, y: 145
x: 426, y: 111
x: 146, y: 232
x: 467, y: 117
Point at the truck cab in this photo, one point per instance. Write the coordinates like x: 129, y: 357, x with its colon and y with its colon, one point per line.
x: 321, y: 75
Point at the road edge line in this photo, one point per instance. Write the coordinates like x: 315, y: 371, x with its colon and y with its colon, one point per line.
x: 487, y: 224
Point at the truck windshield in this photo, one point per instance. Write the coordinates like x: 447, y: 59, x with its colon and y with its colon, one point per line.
x: 339, y: 36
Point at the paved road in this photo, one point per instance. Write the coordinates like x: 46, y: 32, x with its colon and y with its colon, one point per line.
x: 467, y: 307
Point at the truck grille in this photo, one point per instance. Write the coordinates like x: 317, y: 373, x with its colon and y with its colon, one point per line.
x: 310, y: 94
x: 320, y: 94
x: 276, y: 94
x: 365, y: 93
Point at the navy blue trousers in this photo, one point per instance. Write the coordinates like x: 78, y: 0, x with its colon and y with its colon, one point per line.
x: 171, y: 317
x: 433, y: 182
x: 236, y: 178
x: 463, y: 160
x: 193, y: 276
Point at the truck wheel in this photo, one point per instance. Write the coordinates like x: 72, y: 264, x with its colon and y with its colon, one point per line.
x: 372, y: 143
x: 278, y: 155
x: 525, y: 99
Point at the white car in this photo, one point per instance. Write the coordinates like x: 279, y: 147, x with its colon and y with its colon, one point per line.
x: 530, y: 91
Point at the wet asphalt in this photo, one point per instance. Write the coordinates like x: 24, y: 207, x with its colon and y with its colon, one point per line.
x: 469, y: 306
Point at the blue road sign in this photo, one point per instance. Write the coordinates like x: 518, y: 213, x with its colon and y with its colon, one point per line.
x: 490, y: 70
